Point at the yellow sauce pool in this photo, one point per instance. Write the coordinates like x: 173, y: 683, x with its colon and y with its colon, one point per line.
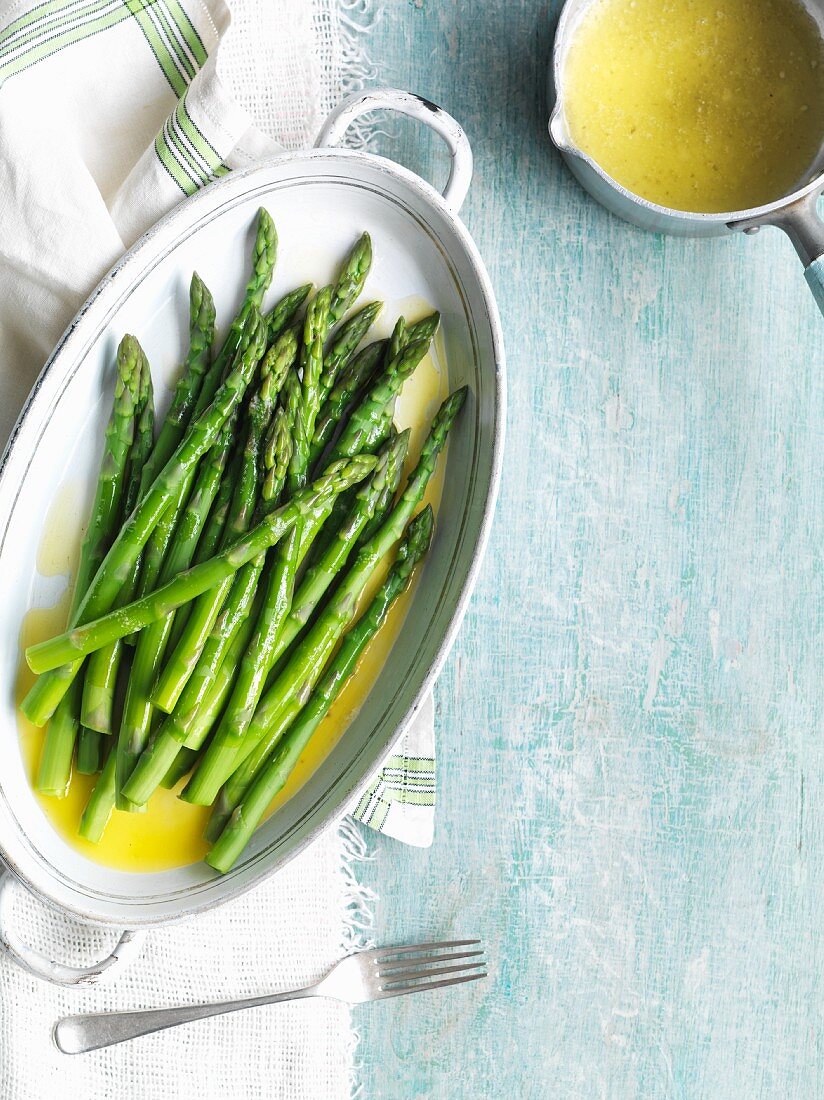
x: 170, y: 833
x: 700, y: 105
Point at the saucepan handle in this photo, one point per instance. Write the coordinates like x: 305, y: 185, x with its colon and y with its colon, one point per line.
x: 802, y: 223
x: 41, y: 966
x: 413, y: 106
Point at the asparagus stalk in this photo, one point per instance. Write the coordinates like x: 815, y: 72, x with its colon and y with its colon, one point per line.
x: 271, y: 634
x: 351, y: 278
x: 138, y: 710
x: 189, y: 385
x: 180, y: 767
x: 371, y: 424
x: 306, y: 663
x: 186, y: 653
x: 232, y: 827
x: 386, y: 498
x: 54, y: 769
x: 311, y: 363
x: 280, y: 586
x: 197, y: 663
x: 368, y: 420
x: 165, y: 531
x: 47, y: 692
x: 136, y: 721
x: 195, y: 389
x: 424, y: 329
x: 167, y: 743
x: 76, y: 643
x: 100, y: 677
x: 345, y: 343
x: 89, y: 755
x: 101, y: 803
x: 396, y: 340
x: 279, y: 318
x: 321, y: 575
x: 341, y: 398
x: 267, y: 642
x: 264, y: 256
x: 207, y: 690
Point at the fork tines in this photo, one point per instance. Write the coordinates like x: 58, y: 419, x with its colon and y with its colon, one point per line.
x: 427, y: 966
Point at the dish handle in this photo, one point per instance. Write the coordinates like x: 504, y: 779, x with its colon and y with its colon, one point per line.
x: 422, y: 110
x: 41, y: 966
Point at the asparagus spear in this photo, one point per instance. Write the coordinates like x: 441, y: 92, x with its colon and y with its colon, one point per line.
x: 265, y: 644
x: 367, y: 421
x: 311, y: 363
x: 115, y: 568
x: 264, y: 255
x: 346, y: 340
x: 135, y: 723
x: 385, y: 500
x: 101, y: 803
x: 216, y: 524
x: 306, y: 662
x: 195, y: 389
x: 208, y: 687
x: 183, y: 658
x: 194, y: 681
x: 424, y: 329
x: 383, y: 431
x: 82, y: 640
x: 189, y: 385
x: 234, y: 825
x: 89, y: 754
x: 351, y: 278
x: 396, y: 340
x: 197, y: 662
x: 370, y: 425
x: 138, y: 709
x: 280, y: 586
x: 279, y: 318
x: 180, y: 767
x: 54, y: 770
x: 164, y: 533
x: 100, y: 677
x: 277, y: 455
x: 339, y: 402
x: 320, y: 575
x: 160, y: 756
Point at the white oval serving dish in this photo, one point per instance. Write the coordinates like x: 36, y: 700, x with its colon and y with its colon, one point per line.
x: 320, y: 200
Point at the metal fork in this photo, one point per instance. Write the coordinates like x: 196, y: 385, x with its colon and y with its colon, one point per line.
x: 366, y: 976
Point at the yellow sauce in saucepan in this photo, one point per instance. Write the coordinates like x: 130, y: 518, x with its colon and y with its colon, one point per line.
x: 170, y: 833
x: 699, y: 105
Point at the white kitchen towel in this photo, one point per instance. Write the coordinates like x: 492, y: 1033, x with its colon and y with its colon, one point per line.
x: 282, y: 935
x: 111, y: 112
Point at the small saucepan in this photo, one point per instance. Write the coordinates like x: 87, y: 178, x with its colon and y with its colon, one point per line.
x: 795, y: 213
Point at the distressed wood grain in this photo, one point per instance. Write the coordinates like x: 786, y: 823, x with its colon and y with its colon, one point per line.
x: 630, y: 745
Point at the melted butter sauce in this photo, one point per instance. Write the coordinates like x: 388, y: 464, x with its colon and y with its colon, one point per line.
x: 170, y: 833
x: 706, y: 106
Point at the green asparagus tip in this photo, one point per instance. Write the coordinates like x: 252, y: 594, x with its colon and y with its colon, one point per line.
x: 201, y: 303
x: 455, y: 402
x: 424, y: 329
x: 266, y: 224
x: 418, y: 536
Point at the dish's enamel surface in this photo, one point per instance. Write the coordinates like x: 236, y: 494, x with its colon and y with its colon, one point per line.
x: 320, y: 202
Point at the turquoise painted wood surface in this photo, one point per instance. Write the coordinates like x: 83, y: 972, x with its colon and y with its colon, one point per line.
x: 630, y: 783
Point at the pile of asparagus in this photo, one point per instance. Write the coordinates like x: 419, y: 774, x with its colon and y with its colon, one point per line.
x: 215, y: 614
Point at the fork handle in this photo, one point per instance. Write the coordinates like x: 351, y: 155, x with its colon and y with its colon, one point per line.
x: 79, y: 1034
